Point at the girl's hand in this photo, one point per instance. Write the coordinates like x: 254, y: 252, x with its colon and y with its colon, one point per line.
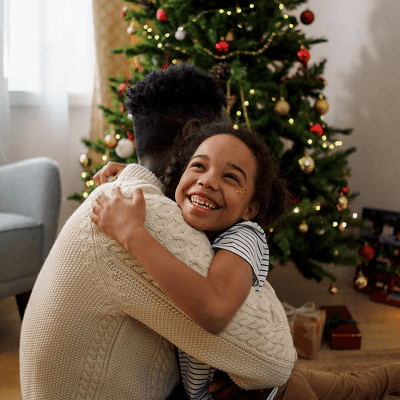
x: 109, y: 170
x: 119, y: 217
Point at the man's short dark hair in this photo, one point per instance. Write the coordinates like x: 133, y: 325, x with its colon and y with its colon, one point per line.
x: 164, y: 100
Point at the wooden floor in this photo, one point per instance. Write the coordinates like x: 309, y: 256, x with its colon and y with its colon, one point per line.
x: 378, y: 323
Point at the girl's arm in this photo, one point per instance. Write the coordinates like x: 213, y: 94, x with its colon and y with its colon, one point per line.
x: 210, y: 301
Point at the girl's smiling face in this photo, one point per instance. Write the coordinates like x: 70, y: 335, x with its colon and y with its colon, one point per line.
x: 217, y: 187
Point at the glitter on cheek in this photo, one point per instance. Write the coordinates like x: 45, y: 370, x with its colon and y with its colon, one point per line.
x: 242, y: 193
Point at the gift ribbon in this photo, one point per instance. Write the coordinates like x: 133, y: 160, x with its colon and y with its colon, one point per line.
x: 307, y: 309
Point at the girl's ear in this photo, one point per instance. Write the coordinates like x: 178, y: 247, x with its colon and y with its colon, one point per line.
x: 251, y: 211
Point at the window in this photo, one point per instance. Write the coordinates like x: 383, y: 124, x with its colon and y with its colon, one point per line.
x: 48, y: 45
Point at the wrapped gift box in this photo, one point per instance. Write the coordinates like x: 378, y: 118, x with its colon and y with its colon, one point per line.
x: 307, y: 327
x: 341, y: 330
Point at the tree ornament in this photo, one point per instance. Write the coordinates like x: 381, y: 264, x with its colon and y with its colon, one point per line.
x: 342, y: 203
x: 125, y: 148
x: 303, y: 55
x: 230, y: 36
x: 131, y: 29
x: 110, y: 141
x: 161, y: 15
x: 307, y: 17
x: 321, y: 106
x: 222, y: 47
x: 220, y: 71
x: 180, y: 34
x: 366, y: 251
x: 361, y: 282
x: 303, y: 227
x: 306, y: 164
x: 316, y: 129
x: 333, y: 289
x: 345, y: 190
x: 123, y: 88
x: 282, y: 107
x: 85, y: 160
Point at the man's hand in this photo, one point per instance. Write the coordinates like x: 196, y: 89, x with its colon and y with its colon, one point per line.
x: 119, y: 217
x: 222, y: 388
x: 109, y: 170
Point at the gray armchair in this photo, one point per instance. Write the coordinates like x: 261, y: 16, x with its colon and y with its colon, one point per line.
x: 30, y: 194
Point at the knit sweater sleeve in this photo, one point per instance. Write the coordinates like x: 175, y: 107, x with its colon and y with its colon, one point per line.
x: 255, y: 349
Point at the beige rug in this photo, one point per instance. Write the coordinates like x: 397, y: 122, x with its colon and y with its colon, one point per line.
x: 350, y: 360
x: 341, y: 361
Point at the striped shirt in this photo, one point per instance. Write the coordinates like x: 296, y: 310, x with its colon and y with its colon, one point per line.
x: 247, y: 240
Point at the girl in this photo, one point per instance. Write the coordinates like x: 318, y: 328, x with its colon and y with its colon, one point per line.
x: 228, y: 187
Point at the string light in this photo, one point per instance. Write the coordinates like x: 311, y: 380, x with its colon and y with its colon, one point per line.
x: 296, y: 210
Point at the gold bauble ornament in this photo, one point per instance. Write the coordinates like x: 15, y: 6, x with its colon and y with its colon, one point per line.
x: 110, y: 141
x: 321, y: 106
x: 361, y: 282
x: 342, y: 203
x: 303, y: 227
x: 306, y: 164
x: 333, y: 289
x: 230, y: 36
x: 282, y: 107
x: 85, y: 160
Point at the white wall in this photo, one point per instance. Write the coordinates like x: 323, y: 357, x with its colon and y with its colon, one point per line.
x: 363, y: 91
x: 33, y: 136
x: 363, y: 75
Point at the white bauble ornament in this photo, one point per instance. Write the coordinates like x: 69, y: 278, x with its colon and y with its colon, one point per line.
x: 125, y: 148
x: 180, y: 34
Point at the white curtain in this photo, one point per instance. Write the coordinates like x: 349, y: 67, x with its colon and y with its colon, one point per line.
x: 4, y: 95
x: 50, y: 80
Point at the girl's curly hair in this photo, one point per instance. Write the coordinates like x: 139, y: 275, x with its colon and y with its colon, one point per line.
x: 164, y: 100
x: 270, y: 190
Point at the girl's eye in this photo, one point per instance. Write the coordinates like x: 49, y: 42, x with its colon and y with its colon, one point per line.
x: 234, y: 177
x: 197, y: 165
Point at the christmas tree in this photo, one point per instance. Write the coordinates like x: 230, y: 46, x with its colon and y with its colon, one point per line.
x: 259, y: 55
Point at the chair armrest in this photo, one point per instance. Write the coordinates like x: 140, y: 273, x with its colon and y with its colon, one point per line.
x: 32, y: 188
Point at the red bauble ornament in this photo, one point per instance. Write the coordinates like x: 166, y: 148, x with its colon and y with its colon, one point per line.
x: 345, y: 190
x: 307, y: 17
x: 122, y: 88
x: 317, y: 129
x: 367, y: 252
x: 161, y: 15
x: 222, y: 47
x: 303, y: 56
x: 130, y: 136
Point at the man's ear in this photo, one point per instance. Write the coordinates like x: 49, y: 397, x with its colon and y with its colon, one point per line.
x: 190, y: 125
x: 251, y: 211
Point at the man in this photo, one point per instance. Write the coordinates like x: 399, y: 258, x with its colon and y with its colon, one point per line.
x: 81, y: 337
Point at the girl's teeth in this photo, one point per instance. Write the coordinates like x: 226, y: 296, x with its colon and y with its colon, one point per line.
x: 196, y: 200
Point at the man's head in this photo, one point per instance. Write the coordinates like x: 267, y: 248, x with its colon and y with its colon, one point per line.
x: 166, y: 103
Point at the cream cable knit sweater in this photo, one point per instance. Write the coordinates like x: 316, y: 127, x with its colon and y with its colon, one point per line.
x: 79, y: 340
